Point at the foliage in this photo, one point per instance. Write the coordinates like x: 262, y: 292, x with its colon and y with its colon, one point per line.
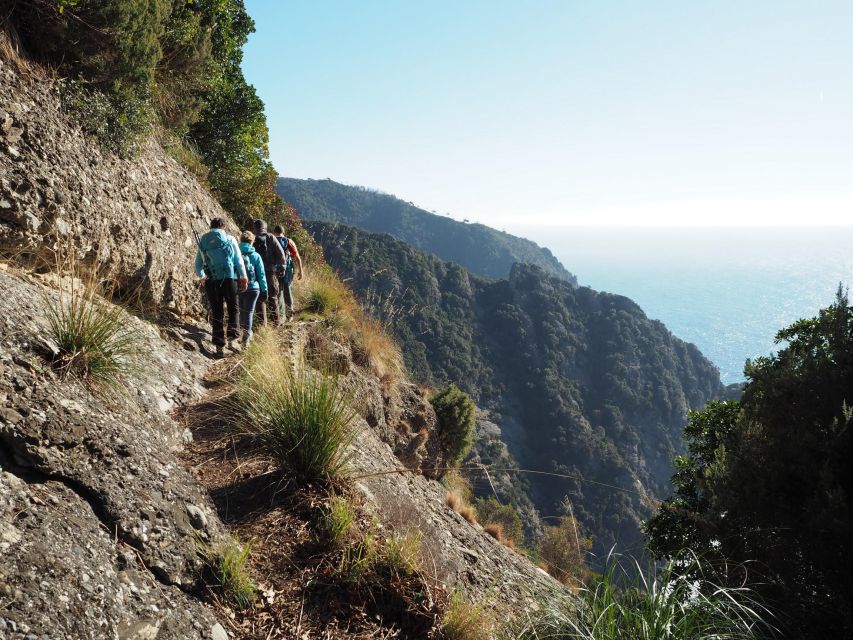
x: 769, y: 480
x: 490, y: 511
x: 667, y: 605
x: 456, y: 414
x: 477, y: 247
x: 301, y: 419
x: 590, y: 386
x: 564, y: 550
x: 465, y: 620
x: 228, y: 573
x: 94, y: 338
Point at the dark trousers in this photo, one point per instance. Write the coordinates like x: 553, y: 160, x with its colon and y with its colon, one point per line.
x: 268, y: 309
x: 221, y: 295
x: 286, y: 297
x: 248, y: 300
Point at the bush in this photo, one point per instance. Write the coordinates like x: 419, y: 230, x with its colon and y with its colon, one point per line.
x: 94, y: 338
x: 666, y: 606
x: 228, y: 573
x: 563, y: 549
x: 493, y: 513
x: 302, y: 419
x: 456, y: 417
x: 464, y: 620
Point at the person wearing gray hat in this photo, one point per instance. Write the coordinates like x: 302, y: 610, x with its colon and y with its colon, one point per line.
x: 275, y: 261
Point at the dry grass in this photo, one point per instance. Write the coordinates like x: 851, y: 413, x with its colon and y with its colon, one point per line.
x: 372, y: 347
x: 461, y: 506
x: 496, y: 531
x: 12, y: 52
x: 465, y: 620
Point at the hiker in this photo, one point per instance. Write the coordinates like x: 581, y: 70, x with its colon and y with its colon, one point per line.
x: 284, y: 281
x: 257, y: 287
x: 274, y: 260
x: 219, y: 265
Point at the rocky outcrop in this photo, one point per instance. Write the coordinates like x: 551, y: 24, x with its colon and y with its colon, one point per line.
x: 57, y: 187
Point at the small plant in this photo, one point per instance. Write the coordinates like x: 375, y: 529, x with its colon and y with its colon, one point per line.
x: 461, y: 506
x: 337, y: 520
x: 464, y: 620
x: 402, y: 553
x: 301, y: 419
x: 674, y: 604
x: 228, y: 573
x: 94, y: 338
x: 358, y: 560
x: 456, y: 417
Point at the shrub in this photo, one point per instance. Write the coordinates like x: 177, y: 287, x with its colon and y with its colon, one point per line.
x: 464, y: 620
x: 504, y: 516
x: 337, y: 520
x: 302, y: 419
x: 624, y: 603
x: 94, y: 338
x: 563, y: 549
x: 456, y: 417
x: 228, y: 573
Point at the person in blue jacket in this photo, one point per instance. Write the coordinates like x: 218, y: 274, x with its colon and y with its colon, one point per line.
x: 257, y: 284
x: 220, y: 266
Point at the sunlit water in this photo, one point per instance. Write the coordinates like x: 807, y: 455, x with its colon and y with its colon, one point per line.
x: 726, y: 290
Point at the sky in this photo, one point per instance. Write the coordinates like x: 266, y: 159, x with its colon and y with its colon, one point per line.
x: 562, y: 112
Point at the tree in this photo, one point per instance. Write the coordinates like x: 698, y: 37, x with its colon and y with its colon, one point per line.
x: 770, y: 480
x: 456, y: 417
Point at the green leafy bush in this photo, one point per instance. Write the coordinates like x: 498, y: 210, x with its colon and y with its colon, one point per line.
x: 456, y: 418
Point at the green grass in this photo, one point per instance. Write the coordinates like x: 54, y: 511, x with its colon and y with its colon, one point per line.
x: 665, y: 606
x: 357, y: 561
x: 337, y: 521
x: 228, y: 573
x: 300, y: 418
x: 96, y: 340
x: 402, y: 553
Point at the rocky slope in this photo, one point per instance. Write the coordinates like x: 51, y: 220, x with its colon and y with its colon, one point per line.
x: 99, y: 520
x: 480, y: 249
x: 580, y: 383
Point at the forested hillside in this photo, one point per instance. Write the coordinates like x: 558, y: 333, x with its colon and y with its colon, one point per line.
x: 582, y: 383
x: 480, y: 249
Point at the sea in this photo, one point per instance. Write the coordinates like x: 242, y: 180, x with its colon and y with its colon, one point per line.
x: 728, y: 290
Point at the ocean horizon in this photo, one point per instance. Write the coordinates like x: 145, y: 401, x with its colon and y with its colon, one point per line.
x: 728, y: 290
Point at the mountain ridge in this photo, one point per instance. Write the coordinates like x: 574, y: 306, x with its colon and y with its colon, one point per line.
x: 480, y: 248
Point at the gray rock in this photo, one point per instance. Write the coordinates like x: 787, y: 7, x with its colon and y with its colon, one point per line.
x: 198, y: 519
x: 217, y: 632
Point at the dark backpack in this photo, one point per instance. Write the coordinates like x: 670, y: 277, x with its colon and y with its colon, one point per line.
x: 267, y: 252
x: 285, y: 245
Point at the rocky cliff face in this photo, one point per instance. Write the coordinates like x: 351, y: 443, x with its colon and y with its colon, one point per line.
x: 100, y: 521
x: 58, y: 188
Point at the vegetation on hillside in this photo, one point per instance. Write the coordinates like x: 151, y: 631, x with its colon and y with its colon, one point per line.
x: 129, y: 66
x: 481, y: 249
x: 582, y: 383
x: 769, y: 481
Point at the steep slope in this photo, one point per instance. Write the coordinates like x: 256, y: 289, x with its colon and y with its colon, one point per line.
x: 580, y: 383
x: 480, y: 249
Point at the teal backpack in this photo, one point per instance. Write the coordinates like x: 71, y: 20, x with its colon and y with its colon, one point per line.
x: 218, y: 253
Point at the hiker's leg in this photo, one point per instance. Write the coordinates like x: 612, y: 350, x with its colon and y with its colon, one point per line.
x: 287, y: 298
x: 229, y: 292
x: 272, y: 299
x: 216, y: 301
x: 248, y: 300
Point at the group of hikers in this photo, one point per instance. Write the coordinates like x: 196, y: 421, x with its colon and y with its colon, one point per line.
x: 255, y: 273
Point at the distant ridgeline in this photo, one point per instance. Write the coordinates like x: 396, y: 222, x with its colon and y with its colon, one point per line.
x: 480, y: 249
x: 580, y: 382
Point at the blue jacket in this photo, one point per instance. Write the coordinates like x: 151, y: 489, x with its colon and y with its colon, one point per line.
x: 254, y: 258
x: 221, y: 255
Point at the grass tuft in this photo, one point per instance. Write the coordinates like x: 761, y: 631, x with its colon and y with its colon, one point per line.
x: 337, y: 521
x: 676, y: 603
x: 464, y: 620
x: 94, y: 338
x: 300, y: 418
x: 461, y: 506
x: 228, y: 573
x: 402, y: 553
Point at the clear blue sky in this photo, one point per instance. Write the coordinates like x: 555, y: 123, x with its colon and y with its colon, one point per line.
x: 662, y: 112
